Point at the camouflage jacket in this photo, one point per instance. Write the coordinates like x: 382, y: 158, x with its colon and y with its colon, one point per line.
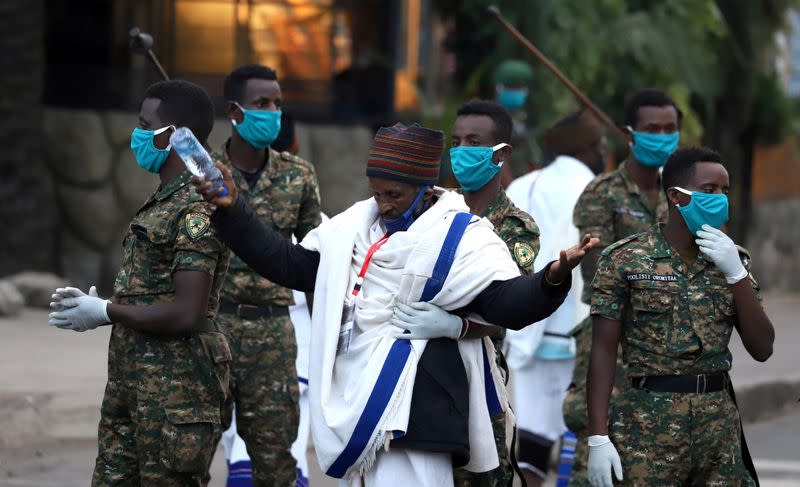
x: 612, y: 207
x: 286, y: 197
x: 676, y: 319
x: 171, y: 232
x: 516, y: 228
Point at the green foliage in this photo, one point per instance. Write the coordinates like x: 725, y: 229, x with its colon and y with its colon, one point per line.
x: 771, y: 111
x: 609, y: 48
x: 716, y: 58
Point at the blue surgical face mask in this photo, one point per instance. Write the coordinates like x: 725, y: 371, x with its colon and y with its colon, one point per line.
x: 148, y: 156
x: 653, y: 150
x: 512, y: 99
x: 259, y: 128
x: 473, y: 166
x: 704, y: 209
x: 402, y: 222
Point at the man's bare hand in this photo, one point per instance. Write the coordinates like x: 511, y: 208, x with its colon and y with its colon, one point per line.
x: 203, y: 188
x: 570, y: 258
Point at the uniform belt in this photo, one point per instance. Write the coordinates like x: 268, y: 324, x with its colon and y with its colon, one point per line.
x: 250, y: 312
x: 697, y: 384
x: 553, y: 334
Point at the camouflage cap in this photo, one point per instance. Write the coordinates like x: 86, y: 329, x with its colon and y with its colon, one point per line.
x: 513, y: 72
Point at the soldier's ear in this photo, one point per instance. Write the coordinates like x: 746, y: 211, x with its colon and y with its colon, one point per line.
x: 505, y: 152
x: 232, y: 112
x: 502, y: 152
x: 628, y: 134
x: 674, y: 196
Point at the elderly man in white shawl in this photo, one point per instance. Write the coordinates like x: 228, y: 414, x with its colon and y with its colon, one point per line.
x: 394, y: 406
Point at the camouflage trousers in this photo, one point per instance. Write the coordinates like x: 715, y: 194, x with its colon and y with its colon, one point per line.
x: 165, y: 404
x: 493, y: 478
x: 574, y: 409
x: 678, y: 439
x: 264, y: 388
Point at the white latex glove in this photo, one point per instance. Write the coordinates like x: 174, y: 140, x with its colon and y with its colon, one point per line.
x: 424, y: 321
x: 77, y: 311
x: 602, y: 458
x: 721, y: 250
x: 68, y: 292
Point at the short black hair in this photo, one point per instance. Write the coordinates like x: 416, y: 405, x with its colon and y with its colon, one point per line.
x: 680, y: 165
x: 647, y: 98
x: 233, y: 88
x: 503, y: 123
x: 184, y: 104
x: 286, y: 136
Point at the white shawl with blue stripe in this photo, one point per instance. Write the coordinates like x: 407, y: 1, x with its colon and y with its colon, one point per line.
x: 360, y: 400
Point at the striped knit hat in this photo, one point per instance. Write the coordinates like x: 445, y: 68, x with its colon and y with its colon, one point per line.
x: 407, y: 154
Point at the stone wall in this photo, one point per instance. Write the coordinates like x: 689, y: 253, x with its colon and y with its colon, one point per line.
x: 98, y: 186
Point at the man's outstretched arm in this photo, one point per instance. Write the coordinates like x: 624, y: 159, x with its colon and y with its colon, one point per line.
x: 517, y: 302
x: 262, y: 248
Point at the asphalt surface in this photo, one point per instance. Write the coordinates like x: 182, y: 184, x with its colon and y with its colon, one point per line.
x: 51, y: 386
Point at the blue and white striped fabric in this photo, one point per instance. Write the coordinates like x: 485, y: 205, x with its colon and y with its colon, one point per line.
x: 398, y: 355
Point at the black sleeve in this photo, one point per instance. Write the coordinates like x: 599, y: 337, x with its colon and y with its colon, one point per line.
x: 518, y: 302
x: 266, y: 251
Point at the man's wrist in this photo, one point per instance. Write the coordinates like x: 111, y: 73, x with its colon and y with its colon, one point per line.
x: 549, y: 280
x: 106, y: 302
x: 737, y: 277
x: 465, y: 325
x: 234, y: 202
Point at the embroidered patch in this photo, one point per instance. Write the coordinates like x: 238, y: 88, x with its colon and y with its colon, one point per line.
x: 197, y: 224
x: 523, y: 253
x: 651, y: 277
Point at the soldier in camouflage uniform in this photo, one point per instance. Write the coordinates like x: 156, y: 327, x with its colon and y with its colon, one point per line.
x: 486, y: 124
x: 542, y: 357
x: 673, y: 295
x: 520, y: 233
x: 613, y: 206
x: 282, y: 190
x: 166, y: 399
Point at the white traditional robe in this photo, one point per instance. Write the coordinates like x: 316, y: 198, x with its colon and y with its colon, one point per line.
x: 340, y: 386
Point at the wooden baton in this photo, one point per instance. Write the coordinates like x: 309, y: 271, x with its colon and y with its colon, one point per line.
x: 583, y: 99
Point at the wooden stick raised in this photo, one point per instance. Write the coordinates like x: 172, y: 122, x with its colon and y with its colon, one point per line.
x: 583, y: 99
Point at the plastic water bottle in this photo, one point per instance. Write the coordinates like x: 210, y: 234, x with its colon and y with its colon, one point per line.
x: 566, y: 458
x: 196, y: 158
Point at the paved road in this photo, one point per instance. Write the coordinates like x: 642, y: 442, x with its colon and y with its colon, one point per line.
x: 51, y: 385
x: 784, y: 364
x: 775, y: 447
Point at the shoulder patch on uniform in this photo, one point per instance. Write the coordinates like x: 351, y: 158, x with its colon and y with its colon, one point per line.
x: 619, y: 243
x: 197, y: 224
x: 523, y: 254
